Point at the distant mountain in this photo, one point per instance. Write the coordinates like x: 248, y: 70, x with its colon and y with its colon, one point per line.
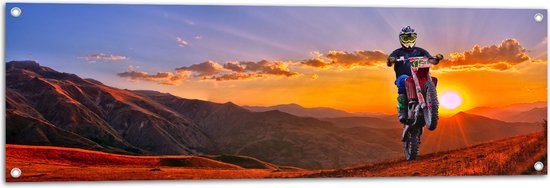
x: 463, y: 130
x: 46, y: 107
x: 369, y: 122
x: 281, y: 138
x: 315, y: 112
x: 458, y: 131
x: 533, y: 115
x: 297, y: 110
x: 523, y: 112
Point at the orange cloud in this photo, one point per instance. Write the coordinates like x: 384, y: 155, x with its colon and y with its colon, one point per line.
x: 234, y: 76
x: 167, y: 78
x: 318, y: 63
x: 211, y: 70
x: 347, y: 60
x: 234, y: 66
x: 314, y: 76
x: 103, y: 57
x: 203, y: 69
x: 251, y: 70
x: 269, y: 67
x: 501, y: 57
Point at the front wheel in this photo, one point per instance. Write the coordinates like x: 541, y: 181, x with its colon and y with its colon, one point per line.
x: 430, y: 112
x: 411, y: 143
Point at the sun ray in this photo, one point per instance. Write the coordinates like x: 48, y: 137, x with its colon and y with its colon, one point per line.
x: 459, y: 124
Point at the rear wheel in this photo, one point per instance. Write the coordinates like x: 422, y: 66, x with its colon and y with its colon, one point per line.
x: 430, y: 112
x: 412, y: 140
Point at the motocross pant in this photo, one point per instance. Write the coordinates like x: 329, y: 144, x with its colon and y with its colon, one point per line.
x: 402, y: 98
x: 400, y: 83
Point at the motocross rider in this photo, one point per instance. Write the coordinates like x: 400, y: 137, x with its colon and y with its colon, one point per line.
x: 407, y: 38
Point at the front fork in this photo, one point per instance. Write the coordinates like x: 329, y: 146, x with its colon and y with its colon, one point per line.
x: 406, y: 130
x: 414, y: 107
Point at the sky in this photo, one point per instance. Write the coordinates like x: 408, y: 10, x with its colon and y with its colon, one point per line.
x: 312, y: 56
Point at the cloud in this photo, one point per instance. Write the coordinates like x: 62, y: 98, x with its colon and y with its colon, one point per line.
x: 269, y: 67
x: 211, y: 70
x: 181, y: 42
x: 318, y: 63
x: 167, y: 78
x: 103, y: 57
x: 203, y: 69
x: 132, y: 67
x: 234, y: 76
x: 314, y: 77
x: 234, y: 66
x: 501, y: 57
x: 357, y: 58
x: 346, y: 60
x: 198, y: 37
x: 251, y: 70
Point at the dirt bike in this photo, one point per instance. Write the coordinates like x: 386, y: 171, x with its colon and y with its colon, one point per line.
x: 423, y: 104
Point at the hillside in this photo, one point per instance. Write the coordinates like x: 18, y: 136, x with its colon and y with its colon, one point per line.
x: 281, y: 138
x: 512, y: 156
x: 41, y: 101
x: 47, y: 163
x: 463, y: 130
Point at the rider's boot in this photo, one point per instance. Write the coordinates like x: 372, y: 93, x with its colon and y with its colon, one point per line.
x: 402, y: 108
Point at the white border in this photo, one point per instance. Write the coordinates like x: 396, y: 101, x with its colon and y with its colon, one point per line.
x: 530, y: 4
x: 438, y: 182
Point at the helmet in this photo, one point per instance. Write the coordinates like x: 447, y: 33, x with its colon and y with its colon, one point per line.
x: 407, y: 37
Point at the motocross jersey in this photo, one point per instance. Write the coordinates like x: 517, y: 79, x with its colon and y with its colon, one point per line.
x: 404, y: 68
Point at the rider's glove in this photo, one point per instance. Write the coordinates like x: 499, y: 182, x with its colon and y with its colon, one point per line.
x: 439, y: 57
x: 391, y: 61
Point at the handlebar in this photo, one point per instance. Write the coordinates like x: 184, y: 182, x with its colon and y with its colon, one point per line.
x: 402, y: 59
x: 433, y: 60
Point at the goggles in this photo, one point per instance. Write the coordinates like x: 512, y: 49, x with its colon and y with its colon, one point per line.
x: 408, y: 38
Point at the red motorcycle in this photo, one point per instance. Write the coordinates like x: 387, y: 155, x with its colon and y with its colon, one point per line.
x: 423, y: 104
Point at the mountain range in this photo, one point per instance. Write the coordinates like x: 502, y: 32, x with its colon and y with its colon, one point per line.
x: 50, y: 108
x: 315, y: 112
x: 522, y: 112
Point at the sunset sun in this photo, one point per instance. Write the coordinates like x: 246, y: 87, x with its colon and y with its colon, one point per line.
x: 450, y: 100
